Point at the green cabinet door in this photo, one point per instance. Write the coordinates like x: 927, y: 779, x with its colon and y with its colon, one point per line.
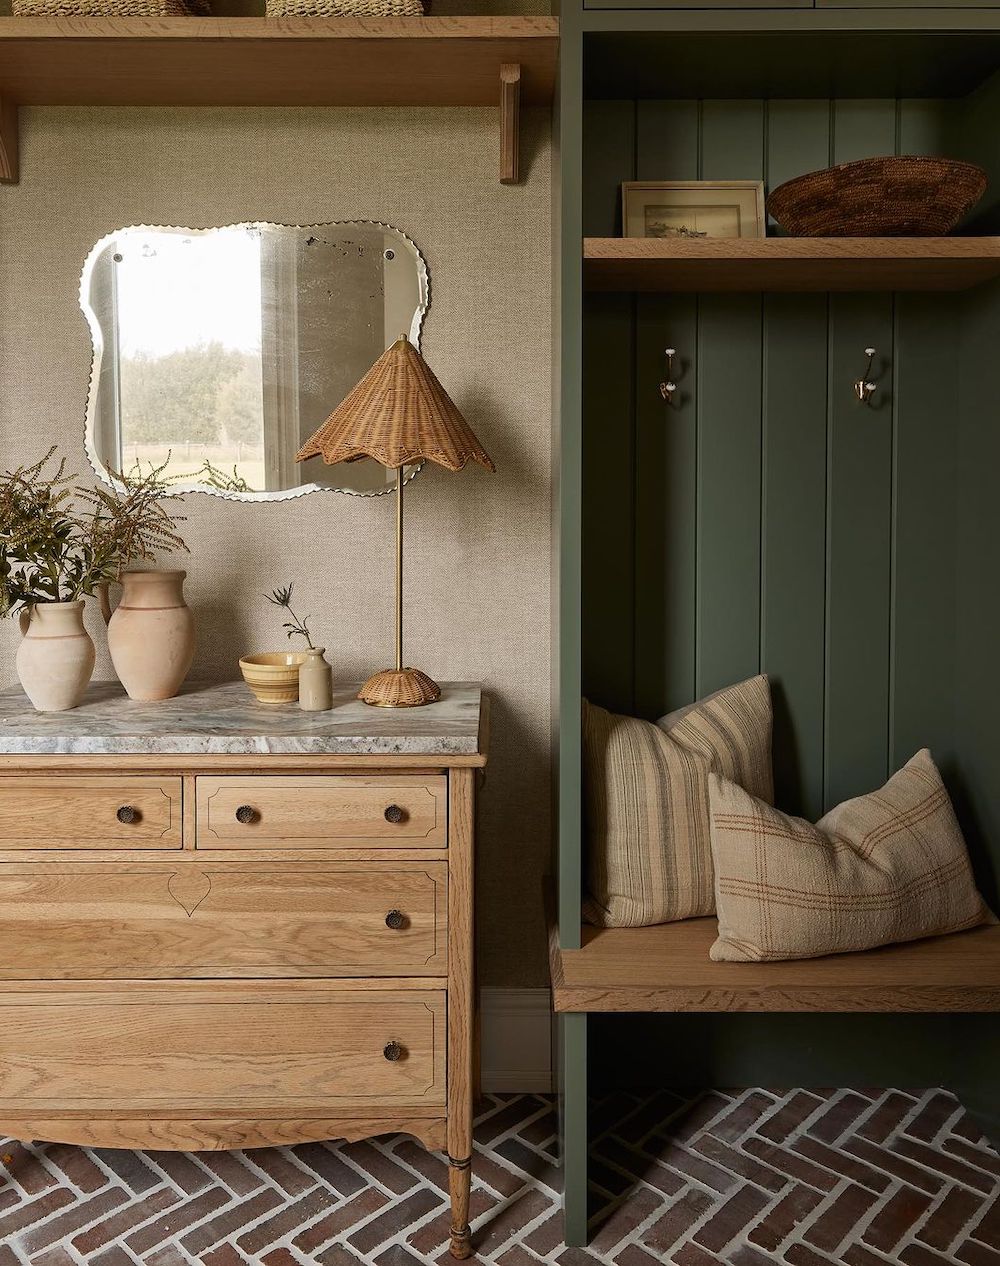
x: 699, y: 4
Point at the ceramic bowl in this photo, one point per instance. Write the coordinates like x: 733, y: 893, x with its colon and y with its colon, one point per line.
x: 273, y: 677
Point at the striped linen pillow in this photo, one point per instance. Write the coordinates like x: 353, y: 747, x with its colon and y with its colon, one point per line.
x: 889, y: 866
x: 646, y: 801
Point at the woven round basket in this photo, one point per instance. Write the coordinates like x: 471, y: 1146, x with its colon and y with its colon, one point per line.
x: 109, y: 8
x: 879, y: 197
x: 344, y: 8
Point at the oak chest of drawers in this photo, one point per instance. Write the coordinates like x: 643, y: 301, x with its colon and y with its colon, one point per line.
x: 229, y: 926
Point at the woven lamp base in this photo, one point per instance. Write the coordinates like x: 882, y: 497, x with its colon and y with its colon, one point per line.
x: 403, y: 688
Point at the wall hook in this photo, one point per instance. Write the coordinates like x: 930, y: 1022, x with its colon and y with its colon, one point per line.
x: 865, y: 386
x: 668, y: 388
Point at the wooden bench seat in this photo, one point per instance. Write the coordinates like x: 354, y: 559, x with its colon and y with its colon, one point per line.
x: 667, y: 968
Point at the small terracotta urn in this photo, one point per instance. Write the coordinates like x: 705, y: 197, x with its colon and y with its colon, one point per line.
x: 55, y: 659
x: 151, y: 634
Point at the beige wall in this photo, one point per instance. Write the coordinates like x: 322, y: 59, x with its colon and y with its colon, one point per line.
x: 478, y: 590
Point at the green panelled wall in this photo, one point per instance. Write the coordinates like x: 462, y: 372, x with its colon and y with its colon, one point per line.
x: 770, y: 521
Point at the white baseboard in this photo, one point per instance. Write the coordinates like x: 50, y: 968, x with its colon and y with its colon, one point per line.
x: 516, y: 1040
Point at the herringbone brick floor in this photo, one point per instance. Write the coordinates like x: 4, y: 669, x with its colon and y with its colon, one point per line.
x: 801, y: 1178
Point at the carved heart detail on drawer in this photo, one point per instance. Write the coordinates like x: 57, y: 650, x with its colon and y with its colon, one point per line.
x: 189, y: 888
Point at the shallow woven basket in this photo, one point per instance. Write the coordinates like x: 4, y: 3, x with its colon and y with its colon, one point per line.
x: 879, y: 197
x: 344, y: 8
x: 109, y: 8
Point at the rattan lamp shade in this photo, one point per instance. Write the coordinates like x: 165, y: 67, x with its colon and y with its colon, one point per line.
x: 398, y: 414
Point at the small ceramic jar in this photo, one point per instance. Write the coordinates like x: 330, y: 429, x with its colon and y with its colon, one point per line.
x: 315, y: 681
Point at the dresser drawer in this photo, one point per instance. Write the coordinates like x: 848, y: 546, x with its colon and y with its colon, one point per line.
x: 322, y: 811
x: 90, y: 812
x: 303, y: 1049
x: 152, y: 919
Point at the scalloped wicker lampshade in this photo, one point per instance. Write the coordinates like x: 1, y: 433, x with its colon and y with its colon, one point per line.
x: 398, y: 414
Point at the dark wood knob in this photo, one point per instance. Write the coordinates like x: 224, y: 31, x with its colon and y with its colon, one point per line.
x: 127, y: 814
x: 394, y: 919
x: 246, y: 814
x: 394, y: 813
x: 392, y: 1051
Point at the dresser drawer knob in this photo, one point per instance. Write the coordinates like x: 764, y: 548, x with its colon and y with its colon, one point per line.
x: 246, y: 814
x: 395, y: 920
x: 393, y: 1051
x: 127, y: 814
x: 394, y: 813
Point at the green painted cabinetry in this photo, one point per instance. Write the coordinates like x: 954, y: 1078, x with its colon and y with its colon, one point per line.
x: 766, y: 520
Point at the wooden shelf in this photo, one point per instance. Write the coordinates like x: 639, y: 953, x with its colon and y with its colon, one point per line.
x: 789, y: 263
x: 667, y: 968
x: 443, y: 61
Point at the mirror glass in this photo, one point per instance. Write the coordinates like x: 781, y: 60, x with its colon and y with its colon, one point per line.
x: 218, y: 352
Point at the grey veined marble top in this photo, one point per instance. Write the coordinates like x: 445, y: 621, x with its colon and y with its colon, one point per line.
x: 220, y: 719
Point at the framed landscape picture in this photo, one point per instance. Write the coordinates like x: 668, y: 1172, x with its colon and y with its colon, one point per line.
x: 693, y: 208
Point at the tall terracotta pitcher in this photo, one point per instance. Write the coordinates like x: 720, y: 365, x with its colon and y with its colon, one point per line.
x: 55, y: 659
x: 151, y: 634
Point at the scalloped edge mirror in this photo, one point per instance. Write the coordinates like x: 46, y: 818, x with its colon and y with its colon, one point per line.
x: 355, y: 285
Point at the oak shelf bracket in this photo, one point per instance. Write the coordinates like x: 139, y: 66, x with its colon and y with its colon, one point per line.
x: 510, y: 116
x: 8, y: 142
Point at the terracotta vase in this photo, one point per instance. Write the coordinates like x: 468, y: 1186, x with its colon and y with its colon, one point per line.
x: 55, y: 660
x: 151, y: 634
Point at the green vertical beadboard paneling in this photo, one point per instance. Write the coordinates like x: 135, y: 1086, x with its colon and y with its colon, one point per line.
x: 978, y: 614
x: 732, y: 140
x: 667, y: 140
x: 728, y: 490
x: 859, y: 512
x: 728, y: 369
x: 793, y: 543
x: 925, y: 126
x: 665, y: 505
x: 859, y: 457
x: 863, y: 129
x: 609, y: 138
x: 924, y: 501
x: 667, y: 148
x: 608, y: 458
x: 793, y: 518
x: 798, y: 140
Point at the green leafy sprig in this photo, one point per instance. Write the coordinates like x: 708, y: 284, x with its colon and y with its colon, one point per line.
x: 60, y: 542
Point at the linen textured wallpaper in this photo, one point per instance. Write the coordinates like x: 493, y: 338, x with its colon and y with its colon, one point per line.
x: 477, y: 595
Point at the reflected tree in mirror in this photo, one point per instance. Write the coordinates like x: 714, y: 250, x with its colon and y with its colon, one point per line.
x: 218, y: 352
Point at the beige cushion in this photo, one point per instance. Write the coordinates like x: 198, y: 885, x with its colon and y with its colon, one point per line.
x: 889, y: 866
x: 646, y: 799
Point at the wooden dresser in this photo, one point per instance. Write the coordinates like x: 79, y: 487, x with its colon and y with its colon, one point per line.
x: 228, y: 926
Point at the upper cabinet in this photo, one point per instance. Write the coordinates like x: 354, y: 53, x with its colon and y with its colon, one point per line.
x: 700, y: 4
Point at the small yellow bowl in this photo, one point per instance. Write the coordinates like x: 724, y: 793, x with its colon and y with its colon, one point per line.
x: 274, y: 677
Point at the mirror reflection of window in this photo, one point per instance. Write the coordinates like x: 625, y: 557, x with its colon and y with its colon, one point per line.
x: 218, y: 352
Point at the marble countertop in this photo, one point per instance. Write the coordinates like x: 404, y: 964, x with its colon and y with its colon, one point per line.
x: 226, y: 719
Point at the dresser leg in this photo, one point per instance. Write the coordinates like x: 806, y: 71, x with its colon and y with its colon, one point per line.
x: 460, y: 1183
x: 461, y: 1003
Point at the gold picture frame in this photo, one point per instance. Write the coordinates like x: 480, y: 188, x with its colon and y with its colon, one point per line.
x: 693, y: 208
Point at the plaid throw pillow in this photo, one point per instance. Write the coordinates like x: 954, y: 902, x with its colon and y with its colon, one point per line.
x: 889, y: 866
x: 646, y: 799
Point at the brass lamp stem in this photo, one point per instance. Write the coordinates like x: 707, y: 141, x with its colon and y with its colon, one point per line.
x: 399, y: 569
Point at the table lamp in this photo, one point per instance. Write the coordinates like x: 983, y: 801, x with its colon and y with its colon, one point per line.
x: 398, y: 414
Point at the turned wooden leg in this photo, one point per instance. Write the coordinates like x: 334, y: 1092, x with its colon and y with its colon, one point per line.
x: 461, y: 1004
x: 460, y: 1183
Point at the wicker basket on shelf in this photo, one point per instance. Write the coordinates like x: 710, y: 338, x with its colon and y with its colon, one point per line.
x: 879, y: 197
x: 344, y: 8
x: 110, y: 8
